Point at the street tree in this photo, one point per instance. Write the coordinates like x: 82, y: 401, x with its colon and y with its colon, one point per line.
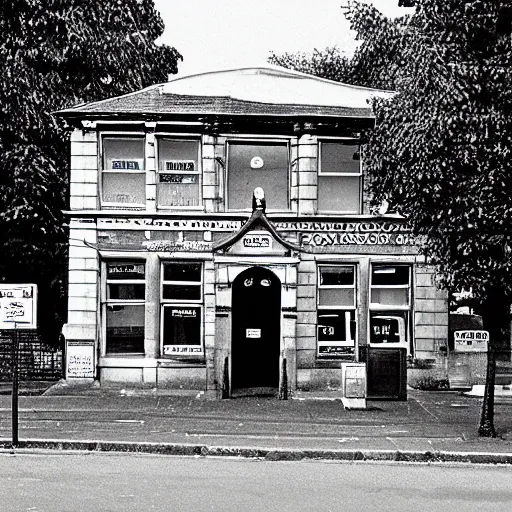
x: 56, y: 54
x: 377, y: 60
x: 329, y: 63
x: 440, y: 154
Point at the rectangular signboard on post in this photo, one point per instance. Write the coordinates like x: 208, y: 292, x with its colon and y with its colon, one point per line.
x: 471, y: 341
x: 18, y: 306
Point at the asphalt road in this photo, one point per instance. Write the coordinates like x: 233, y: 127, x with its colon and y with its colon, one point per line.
x: 71, y: 482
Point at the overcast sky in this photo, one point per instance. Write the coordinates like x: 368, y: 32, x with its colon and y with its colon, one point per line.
x: 219, y: 34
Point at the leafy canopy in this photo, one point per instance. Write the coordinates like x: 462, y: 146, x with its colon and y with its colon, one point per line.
x: 55, y: 54
x: 441, y: 148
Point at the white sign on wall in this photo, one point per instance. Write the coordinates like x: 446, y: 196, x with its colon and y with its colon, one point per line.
x: 80, y: 359
x: 18, y: 306
x: 471, y: 341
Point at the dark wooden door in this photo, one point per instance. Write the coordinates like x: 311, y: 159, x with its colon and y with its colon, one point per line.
x: 256, y: 330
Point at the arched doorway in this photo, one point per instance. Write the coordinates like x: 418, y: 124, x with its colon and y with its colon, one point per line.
x: 256, y: 329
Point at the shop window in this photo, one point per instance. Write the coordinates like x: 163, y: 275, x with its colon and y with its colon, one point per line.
x: 336, y: 326
x: 339, y: 178
x: 179, y: 174
x: 390, y: 304
x: 123, y: 174
x: 258, y: 164
x: 125, y: 307
x: 182, y: 308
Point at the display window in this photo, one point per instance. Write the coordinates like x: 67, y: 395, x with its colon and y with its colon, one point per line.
x: 182, y: 308
x: 179, y: 173
x: 390, y: 306
x: 124, y: 307
x: 336, y: 324
x: 339, y: 177
x: 258, y: 164
x: 123, y: 175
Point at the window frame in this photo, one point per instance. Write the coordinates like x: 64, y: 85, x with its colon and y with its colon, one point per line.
x: 321, y: 173
x: 184, y: 303
x: 121, y: 136
x: 285, y: 141
x: 375, y: 306
x: 351, y: 309
x: 120, y: 302
x: 392, y: 309
x: 198, y: 172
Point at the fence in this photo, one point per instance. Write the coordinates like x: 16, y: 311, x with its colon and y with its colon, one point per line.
x: 36, y: 360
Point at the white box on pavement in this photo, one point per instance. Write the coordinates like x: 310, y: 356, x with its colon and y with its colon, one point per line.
x: 353, y: 376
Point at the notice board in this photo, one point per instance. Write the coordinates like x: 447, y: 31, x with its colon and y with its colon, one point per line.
x: 80, y: 359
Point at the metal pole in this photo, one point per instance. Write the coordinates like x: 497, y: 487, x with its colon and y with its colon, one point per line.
x: 15, y: 350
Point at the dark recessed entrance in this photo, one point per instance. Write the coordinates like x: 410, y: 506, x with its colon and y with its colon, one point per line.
x: 256, y: 329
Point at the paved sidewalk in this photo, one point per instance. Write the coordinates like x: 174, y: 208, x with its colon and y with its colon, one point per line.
x: 429, y: 426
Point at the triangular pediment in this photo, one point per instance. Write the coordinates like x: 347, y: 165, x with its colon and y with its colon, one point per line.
x: 256, y: 237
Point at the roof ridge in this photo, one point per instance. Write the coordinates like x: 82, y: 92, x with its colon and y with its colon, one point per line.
x: 281, y: 69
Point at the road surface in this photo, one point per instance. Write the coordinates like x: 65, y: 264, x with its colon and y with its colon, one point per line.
x: 73, y: 482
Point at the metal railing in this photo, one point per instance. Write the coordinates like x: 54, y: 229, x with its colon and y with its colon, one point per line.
x: 36, y: 360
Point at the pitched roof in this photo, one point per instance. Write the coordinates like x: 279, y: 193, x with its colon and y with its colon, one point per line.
x: 261, y: 91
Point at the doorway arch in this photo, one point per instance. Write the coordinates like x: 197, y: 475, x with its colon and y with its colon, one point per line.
x: 256, y: 329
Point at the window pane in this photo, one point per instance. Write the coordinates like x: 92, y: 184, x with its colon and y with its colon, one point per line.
x: 182, y: 292
x: 173, y: 188
x: 340, y: 158
x: 179, y: 271
x: 181, y: 190
x: 125, y: 270
x: 339, y: 193
x: 125, y: 329
x: 177, y: 155
x: 336, y: 297
x: 269, y: 170
x: 124, y: 187
x: 330, y: 276
x: 123, y: 153
x: 390, y: 275
x: 388, y: 327
x: 182, y: 326
x: 390, y: 296
x: 126, y: 291
x: 336, y: 325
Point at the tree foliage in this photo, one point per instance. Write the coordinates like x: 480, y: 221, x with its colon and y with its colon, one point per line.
x: 440, y: 153
x: 377, y: 60
x: 328, y: 63
x: 441, y: 149
x: 55, y: 54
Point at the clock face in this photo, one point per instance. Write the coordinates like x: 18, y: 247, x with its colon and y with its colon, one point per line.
x: 256, y: 162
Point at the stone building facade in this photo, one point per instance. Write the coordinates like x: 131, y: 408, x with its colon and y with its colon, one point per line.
x: 179, y: 277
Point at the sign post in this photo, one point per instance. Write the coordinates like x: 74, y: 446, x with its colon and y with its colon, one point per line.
x: 18, y: 310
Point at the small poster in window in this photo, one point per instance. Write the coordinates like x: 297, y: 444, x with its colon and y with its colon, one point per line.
x: 119, y: 270
x: 132, y: 165
x: 183, y: 179
x: 337, y: 351
x: 184, y: 313
x: 183, y: 349
x: 180, y: 165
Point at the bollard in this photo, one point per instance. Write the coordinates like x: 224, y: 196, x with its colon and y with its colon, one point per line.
x: 225, y: 379
x: 283, y: 388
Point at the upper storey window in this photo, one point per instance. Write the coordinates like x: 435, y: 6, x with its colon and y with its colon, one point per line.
x: 258, y: 164
x: 123, y: 175
x: 179, y: 173
x: 339, y: 177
